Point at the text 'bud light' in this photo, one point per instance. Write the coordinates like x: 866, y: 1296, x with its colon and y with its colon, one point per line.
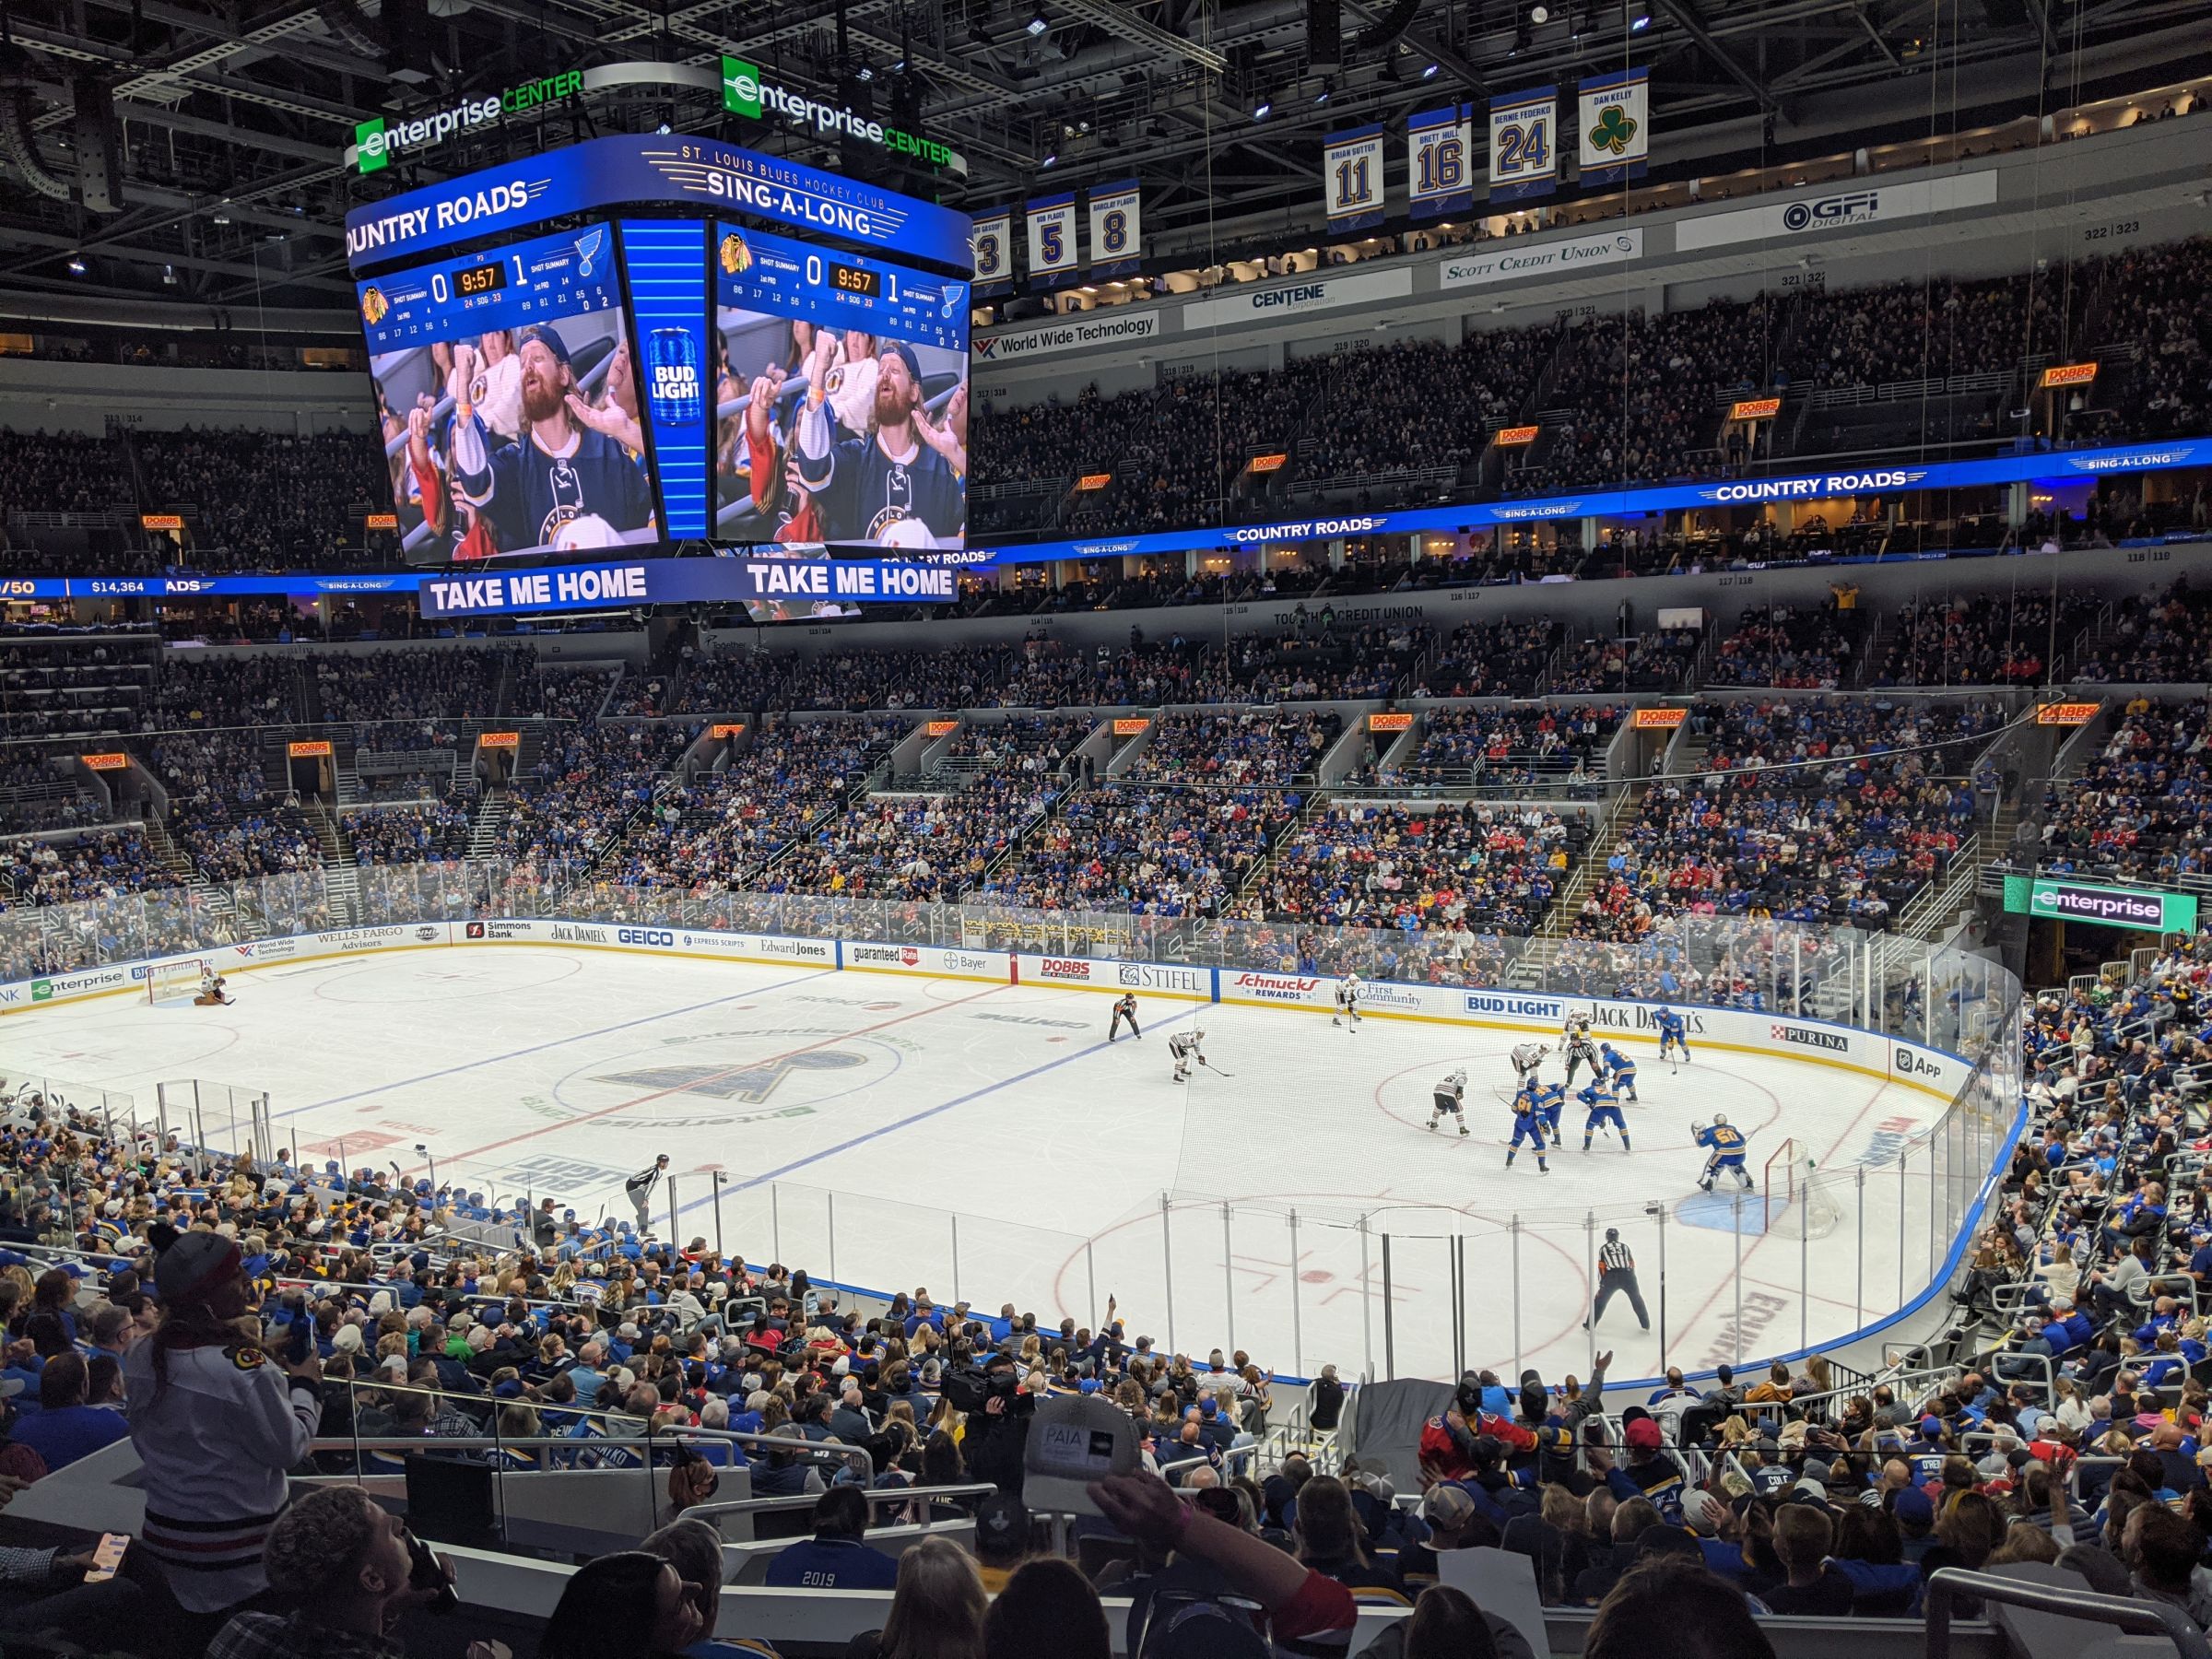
x: 672, y: 377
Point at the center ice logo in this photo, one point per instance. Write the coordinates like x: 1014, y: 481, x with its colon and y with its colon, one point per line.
x: 751, y: 1084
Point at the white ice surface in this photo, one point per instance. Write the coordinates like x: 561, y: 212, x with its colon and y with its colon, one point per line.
x: 853, y: 1116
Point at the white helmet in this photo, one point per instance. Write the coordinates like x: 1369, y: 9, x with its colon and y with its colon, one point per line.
x: 1719, y: 1118
x: 1199, y: 1033
x: 1351, y: 979
x: 1459, y: 1074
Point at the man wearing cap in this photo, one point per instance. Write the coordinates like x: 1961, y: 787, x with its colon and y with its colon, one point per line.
x: 1449, y: 1514
x: 893, y: 486
x: 1650, y: 1471
x: 216, y: 1423
x: 567, y: 480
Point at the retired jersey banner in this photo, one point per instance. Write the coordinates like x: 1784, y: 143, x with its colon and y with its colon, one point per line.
x: 1616, y: 127
x: 1053, y: 239
x: 1352, y: 178
x: 1116, y: 227
x: 1524, y: 144
x: 993, y: 245
x: 1440, y: 151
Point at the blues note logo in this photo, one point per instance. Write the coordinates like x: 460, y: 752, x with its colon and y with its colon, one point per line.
x: 587, y: 249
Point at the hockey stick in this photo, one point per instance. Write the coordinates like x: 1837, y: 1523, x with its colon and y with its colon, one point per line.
x: 1214, y: 1069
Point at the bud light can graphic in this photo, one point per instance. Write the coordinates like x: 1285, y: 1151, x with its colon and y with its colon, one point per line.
x: 672, y: 377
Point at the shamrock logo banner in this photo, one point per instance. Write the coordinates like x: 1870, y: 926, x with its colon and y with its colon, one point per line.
x: 1616, y: 126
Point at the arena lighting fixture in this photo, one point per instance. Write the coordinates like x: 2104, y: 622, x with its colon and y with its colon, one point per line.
x: 1260, y: 111
x: 1539, y: 14
x: 76, y: 264
x: 1640, y: 22
x: 1322, y: 96
x: 1430, y: 73
x: 864, y: 75
x: 1037, y: 25
x: 1052, y: 158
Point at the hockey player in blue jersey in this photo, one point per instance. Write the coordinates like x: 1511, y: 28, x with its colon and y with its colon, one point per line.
x: 1672, y: 1029
x: 1551, y: 1100
x: 1604, y: 1111
x: 1724, y: 1143
x: 1528, y: 1124
x: 892, y: 486
x: 1623, y: 1071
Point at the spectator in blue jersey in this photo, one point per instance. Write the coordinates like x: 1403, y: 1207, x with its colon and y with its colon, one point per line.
x: 899, y: 484
x: 835, y: 1557
x: 65, y: 1427
x: 572, y: 479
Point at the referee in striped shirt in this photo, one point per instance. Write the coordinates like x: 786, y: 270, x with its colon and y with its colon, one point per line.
x: 1617, y: 1276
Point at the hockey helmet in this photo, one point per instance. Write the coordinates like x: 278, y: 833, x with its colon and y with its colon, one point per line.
x: 1459, y: 1074
x: 1719, y: 1118
x: 1199, y: 1033
x: 1612, y: 1235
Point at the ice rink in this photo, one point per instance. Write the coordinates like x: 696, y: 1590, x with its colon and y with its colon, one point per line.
x: 985, y: 1141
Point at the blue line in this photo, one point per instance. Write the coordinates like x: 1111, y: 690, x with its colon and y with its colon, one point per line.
x: 537, y: 1048
x: 907, y: 1123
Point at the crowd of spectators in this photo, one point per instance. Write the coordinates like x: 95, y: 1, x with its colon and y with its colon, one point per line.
x: 1823, y: 809
x: 223, y: 814
x: 2016, y: 639
x: 267, y: 499
x: 1794, y: 647
x: 2167, y: 639
x: 1415, y: 868
x: 61, y: 472
x: 442, y: 685
x: 919, y: 848
x: 1250, y: 749
x: 1555, y: 746
x: 2142, y: 808
x: 1145, y: 851
x: 575, y: 799
x: 430, y: 832
x: 1489, y: 659
x: 729, y: 826
x: 1658, y: 661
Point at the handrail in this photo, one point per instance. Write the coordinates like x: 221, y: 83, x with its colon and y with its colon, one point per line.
x: 2141, y: 1617
x: 891, y: 1496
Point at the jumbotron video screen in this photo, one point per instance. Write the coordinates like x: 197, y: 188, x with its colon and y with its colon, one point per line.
x: 628, y: 382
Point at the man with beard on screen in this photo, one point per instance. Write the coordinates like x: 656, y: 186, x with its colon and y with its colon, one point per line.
x: 898, y: 485
x: 567, y: 480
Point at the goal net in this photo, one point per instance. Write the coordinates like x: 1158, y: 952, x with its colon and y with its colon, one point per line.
x: 173, y: 982
x: 1797, y: 1205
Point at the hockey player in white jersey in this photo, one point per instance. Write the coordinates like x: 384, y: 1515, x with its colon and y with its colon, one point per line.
x: 1347, y: 1001
x: 1451, y: 1095
x: 1526, y: 1057
x: 1187, y: 1046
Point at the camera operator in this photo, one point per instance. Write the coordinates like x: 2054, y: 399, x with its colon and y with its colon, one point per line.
x: 998, y: 1436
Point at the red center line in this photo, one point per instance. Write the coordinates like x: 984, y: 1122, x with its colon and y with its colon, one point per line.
x: 646, y: 1099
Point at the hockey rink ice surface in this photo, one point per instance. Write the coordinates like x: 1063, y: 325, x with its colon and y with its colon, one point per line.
x: 853, y: 1116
